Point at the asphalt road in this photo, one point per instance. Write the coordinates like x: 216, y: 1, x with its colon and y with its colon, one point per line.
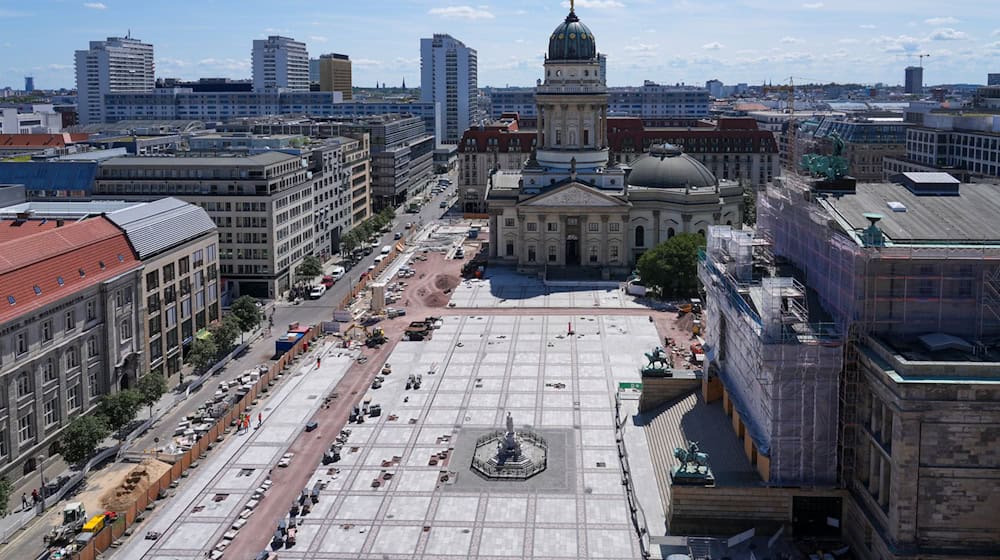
x: 29, y: 543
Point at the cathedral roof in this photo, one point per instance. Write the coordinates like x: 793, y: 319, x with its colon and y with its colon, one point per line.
x: 668, y: 167
x: 572, y: 40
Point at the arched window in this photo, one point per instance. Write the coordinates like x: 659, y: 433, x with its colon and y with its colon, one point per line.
x: 701, y: 232
x: 670, y: 233
x: 640, y: 236
x: 729, y: 222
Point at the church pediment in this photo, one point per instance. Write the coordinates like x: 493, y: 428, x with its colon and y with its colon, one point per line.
x: 572, y: 195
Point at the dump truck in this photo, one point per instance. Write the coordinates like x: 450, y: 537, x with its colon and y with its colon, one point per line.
x: 95, y: 524
x: 418, y: 330
x: 73, y: 517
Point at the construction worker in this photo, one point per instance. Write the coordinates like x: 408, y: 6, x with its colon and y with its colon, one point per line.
x: 260, y: 419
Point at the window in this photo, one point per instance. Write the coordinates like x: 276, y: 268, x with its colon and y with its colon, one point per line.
x: 552, y: 226
x: 154, y: 327
x: 72, y: 358
x: 532, y: 226
x: 531, y: 253
x: 21, y: 343
x: 670, y: 233
x: 183, y: 266
x: 615, y: 227
x: 153, y: 280
x: 171, y: 317
x: 508, y: 222
x: 613, y: 253
x: 70, y: 320
x: 168, y: 273
x: 73, y: 397
x: 92, y: 349
x: 46, y: 331
x: 552, y: 253
x: 640, y: 236
x: 51, y: 410
x: 125, y: 331
x: 23, y: 385
x: 25, y: 428
x: 48, y: 371
x: 593, y: 227
x: 119, y: 299
x: 593, y: 253
x: 510, y: 248
x: 93, y: 389
x: 91, y: 310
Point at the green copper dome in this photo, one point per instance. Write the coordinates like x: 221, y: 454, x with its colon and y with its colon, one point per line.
x: 572, y: 41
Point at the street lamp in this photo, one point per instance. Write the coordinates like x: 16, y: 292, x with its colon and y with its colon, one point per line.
x: 41, y: 478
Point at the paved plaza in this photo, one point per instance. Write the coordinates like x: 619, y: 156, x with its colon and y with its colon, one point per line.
x: 393, y: 496
x: 503, y: 287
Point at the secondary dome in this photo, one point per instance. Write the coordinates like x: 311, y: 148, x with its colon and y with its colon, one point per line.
x: 668, y: 167
x: 572, y: 41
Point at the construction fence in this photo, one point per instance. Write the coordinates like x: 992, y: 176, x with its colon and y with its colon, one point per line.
x: 371, y: 276
x: 102, y: 540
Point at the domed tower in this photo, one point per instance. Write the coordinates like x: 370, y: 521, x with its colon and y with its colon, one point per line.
x: 572, y: 101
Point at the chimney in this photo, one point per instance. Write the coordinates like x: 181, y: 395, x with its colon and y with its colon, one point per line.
x: 60, y: 222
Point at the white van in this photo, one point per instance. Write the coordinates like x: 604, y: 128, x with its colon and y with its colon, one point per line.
x: 379, y: 258
x: 386, y: 249
x: 337, y: 272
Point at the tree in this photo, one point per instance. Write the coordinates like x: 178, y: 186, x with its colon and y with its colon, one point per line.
x: 225, y: 333
x: 5, y: 490
x: 749, y: 204
x: 151, y: 387
x: 120, y: 408
x: 311, y: 267
x: 247, y: 314
x: 202, y: 354
x: 672, y: 266
x: 82, y: 436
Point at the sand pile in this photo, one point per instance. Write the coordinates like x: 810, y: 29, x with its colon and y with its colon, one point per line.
x: 136, y: 483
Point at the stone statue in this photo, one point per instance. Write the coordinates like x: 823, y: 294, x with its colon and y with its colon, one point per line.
x: 509, y: 449
x: 657, y: 356
x: 831, y: 167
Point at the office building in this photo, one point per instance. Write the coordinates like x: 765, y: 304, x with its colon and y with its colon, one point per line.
x: 865, y: 142
x: 993, y: 79
x: 41, y: 119
x: 178, y: 291
x: 313, y: 71
x: 119, y: 64
x: 914, y: 80
x: 335, y: 74
x: 714, y: 88
x: 449, y: 76
x: 280, y: 63
x: 206, y: 85
x: 847, y: 338
x: 29, y: 84
x: 183, y: 104
x: 261, y: 204
x: 70, y: 329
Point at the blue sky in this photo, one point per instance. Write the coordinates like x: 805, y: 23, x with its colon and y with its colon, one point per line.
x: 668, y: 41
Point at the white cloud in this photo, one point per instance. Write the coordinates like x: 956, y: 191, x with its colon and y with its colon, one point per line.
x: 95, y: 5
x: 996, y: 32
x: 813, y: 6
x: 898, y: 44
x: 867, y: 26
x: 365, y: 62
x: 596, y: 4
x: 318, y: 38
x: 713, y: 46
x: 947, y: 34
x: 461, y: 12
x: 791, y: 40
x: 59, y: 66
x: 994, y: 46
x: 941, y: 21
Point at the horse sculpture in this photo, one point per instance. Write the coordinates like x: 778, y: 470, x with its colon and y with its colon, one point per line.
x: 691, y: 455
x: 657, y: 356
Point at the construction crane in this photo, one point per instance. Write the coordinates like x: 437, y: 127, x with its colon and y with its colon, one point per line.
x: 921, y: 58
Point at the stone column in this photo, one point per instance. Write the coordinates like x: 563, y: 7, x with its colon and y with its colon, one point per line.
x: 541, y: 126
x: 605, y: 256
x: 656, y: 229
x: 561, y: 237
x: 717, y: 218
x: 494, y: 234
x: 579, y: 130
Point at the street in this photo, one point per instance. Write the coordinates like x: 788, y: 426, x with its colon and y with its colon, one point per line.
x: 29, y: 542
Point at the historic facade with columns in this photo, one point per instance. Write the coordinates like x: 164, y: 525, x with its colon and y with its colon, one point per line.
x: 567, y: 206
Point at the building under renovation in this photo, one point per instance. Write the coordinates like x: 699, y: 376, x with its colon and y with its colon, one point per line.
x: 855, y: 336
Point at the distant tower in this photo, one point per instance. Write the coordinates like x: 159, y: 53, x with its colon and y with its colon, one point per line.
x: 404, y: 83
x: 335, y: 74
x: 914, y: 80
x: 449, y: 75
x: 29, y: 84
x: 280, y: 63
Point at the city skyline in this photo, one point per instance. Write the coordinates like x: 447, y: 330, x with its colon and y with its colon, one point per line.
x: 749, y: 41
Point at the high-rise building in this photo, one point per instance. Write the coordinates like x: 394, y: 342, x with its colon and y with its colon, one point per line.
x: 335, y: 74
x: 602, y: 60
x: 714, y: 88
x: 993, y: 79
x: 118, y: 64
x: 449, y: 76
x: 280, y: 63
x: 914, y: 79
x: 313, y: 70
x: 29, y: 84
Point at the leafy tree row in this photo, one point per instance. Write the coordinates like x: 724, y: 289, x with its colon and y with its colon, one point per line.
x: 357, y: 236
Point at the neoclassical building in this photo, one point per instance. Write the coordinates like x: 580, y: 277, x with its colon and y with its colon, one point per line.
x: 567, y: 206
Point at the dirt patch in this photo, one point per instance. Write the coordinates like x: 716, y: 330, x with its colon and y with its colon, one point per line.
x: 136, y: 483
x: 436, y: 299
x: 446, y: 282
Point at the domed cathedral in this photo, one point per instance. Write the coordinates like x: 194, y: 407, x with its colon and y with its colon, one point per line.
x: 566, y: 207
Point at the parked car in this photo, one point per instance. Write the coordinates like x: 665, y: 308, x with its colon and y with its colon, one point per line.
x: 311, y: 425
x: 317, y: 292
x: 443, y: 204
x: 398, y: 235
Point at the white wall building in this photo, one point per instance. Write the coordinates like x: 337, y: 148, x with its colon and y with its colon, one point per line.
x: 280, y: 63
x: 41, y: 120
x: 449, y: 76
x: 116, y: 65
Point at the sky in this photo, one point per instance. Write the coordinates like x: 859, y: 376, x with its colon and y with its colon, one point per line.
x: 667, y: 41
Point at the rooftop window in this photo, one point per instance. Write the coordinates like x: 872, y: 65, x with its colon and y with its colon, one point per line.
x: 82, y: 273
x: 121, y: 258
x: 10, y: 300
x: 101, y: 264
x: 60, y: 281
x: 38, y: 289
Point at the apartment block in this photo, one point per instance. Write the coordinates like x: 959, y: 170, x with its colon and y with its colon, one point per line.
x: 649, y: 101
x: 449, y: 76
x: 335, y: 74
x: 118, y: 64
x: 280, y: 63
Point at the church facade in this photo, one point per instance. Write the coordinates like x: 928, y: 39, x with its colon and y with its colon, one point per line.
x: 567, y: 207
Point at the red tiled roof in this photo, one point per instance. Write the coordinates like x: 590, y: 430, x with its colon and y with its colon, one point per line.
x: 39, y: 140
x: 41, y: 258
x: 16, y: 229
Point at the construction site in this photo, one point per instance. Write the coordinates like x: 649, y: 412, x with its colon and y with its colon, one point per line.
x: 830, y: 327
